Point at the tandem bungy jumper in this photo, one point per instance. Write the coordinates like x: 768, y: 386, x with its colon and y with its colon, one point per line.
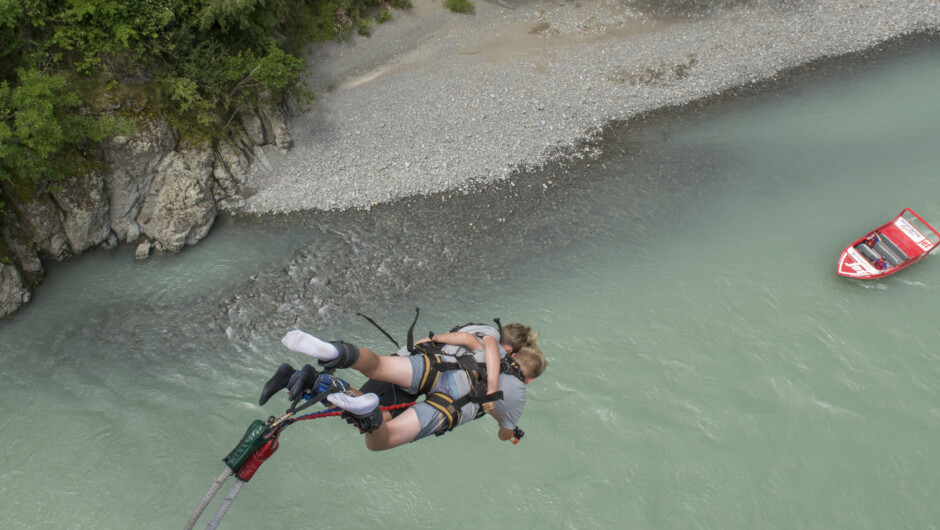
x: 262, y: 438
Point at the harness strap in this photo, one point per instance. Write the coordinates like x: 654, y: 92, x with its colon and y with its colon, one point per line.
x: 433, y: 366
x: 448, y: 407
x: 475, y: 371
x: 430, y: 374
x: 477, y: 378
x: 411, y: 331
x: 395, y: 342
x: 510, y: 366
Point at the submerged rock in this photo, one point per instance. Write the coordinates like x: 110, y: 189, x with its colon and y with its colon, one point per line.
x: 143, y: 251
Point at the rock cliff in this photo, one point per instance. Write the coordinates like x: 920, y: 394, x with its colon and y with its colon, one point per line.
x: 151, y: 190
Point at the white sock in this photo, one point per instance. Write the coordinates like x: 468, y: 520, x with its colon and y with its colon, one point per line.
x: 359, y: 406
x: 307, y: 344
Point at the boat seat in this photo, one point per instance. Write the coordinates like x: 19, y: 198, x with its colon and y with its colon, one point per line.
x: 894, y: 248
x: 885, y: 247
x: 863, y: 249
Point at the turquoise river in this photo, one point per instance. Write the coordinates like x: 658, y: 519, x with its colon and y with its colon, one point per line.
x: 708, y: 369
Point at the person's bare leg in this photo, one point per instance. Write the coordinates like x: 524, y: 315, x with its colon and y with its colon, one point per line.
x: 400, y: 430
x: 391, y: 369
x: 396, y: 370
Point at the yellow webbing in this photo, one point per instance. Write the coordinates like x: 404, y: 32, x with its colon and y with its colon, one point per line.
x: 445, y: 404
x: 430, y: 374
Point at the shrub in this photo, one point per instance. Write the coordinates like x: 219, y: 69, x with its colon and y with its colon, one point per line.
x: 460, y: 6
x: 383, y: 17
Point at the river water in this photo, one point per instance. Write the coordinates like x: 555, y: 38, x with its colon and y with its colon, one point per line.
x: 708, y: 368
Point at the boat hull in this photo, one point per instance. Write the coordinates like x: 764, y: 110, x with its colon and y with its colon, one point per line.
x: 900, y: 243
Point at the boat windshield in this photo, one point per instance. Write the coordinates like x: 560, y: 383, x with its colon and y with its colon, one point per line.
x: 921, y: 227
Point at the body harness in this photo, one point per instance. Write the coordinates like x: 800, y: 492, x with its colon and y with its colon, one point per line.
x: 476, y: 372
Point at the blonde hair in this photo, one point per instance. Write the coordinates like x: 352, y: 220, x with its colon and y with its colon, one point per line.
x: 518, y: 336
x: 532, y: 360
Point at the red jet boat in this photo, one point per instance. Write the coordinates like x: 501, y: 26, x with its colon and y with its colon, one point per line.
x: 898, y: 244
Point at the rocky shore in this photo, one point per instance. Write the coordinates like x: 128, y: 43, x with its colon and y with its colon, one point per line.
x: 435, y: 101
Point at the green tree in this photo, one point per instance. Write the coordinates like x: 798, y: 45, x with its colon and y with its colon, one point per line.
x: 41, y: 135
x: 65, y: 65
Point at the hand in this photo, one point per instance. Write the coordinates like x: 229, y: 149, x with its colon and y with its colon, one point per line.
x: 488, y: 408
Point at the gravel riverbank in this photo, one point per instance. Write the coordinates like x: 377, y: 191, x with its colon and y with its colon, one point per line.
x: 436, y: 101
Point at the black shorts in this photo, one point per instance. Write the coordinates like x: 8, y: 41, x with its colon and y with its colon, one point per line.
x: 389, y: 394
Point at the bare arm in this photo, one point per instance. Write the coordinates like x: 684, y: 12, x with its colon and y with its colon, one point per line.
x: 491, y: 358
x: 456, y: 338
x: 505, y: 434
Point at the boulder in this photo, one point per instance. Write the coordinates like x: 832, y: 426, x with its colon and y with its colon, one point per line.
x: 83, y: 201
x: 42, y: 220
x: 143, y: 251
x: 253, y: 126
x: 234, y: 162
x: 133, y: 162
x: 275, y: 124
x: 13, y: 293
x: 24, y: 257
x: 230, y: 174
x: 179, y: 208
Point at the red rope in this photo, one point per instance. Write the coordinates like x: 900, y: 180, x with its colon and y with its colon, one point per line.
x: 337, y: 411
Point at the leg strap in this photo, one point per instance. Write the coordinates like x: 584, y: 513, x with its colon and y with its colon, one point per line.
x: 348, y: 355
x: 430, y: 374
x: 446, y: 406
x: 367, y: 422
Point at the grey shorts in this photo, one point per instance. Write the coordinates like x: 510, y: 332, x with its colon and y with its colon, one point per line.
x: 429, y: 417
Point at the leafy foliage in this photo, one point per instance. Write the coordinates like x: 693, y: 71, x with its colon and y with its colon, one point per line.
x: 384, y: 16
x: 41, y: 135
x: 66, y: 65
x: 460, y: 6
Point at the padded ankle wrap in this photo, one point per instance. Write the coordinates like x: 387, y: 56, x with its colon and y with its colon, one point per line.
x: 348, y: 355
x: 365, y: 423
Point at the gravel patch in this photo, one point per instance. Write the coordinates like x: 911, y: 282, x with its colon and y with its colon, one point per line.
x: 436, y: 101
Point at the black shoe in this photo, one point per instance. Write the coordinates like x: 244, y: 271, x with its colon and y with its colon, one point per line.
x: 277, y: 382
x: 366, y: 423
x: 302, y: 381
